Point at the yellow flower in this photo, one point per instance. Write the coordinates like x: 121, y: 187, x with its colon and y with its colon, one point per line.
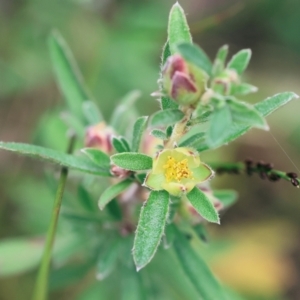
x: 177, y: 171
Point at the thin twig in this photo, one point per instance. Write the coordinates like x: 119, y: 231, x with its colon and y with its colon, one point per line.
x: 41, y: 286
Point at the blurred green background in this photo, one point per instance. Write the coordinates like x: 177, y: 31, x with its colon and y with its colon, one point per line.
x: 117, y: 44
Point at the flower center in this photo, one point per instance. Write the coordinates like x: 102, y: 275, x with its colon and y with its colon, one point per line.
x: 176, y: 170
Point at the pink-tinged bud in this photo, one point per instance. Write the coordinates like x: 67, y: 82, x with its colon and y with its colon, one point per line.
x: 99, y: 136
x: 119, y: 172
x: 183, y: 82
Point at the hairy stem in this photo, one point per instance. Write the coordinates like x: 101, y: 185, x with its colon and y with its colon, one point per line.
x: 264, y: 170
x: 41, y: 286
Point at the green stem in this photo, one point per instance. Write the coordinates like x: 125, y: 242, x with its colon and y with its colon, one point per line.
x: 179, y: 129
x: 41, y: 286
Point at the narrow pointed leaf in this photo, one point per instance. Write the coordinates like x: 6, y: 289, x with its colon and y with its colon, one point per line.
x: 150, y: 228
x: 132, y: 161
x: 203, y: 205
x: 166, y: 53
x: 68, y: 75
x: 242, y: 89
x: 220, y: 124
x: 125, y: 143
x: 265, y: 108
x: 166, y: 102
x: 138, y: 130
x: 97, y: 156
x: 74, y: 162
x: 91, y: 112
x: 240, y: 61
x: 196, y: 56
x: 113, y: 191
x: 118, y: 145
x: 191, y: 141
x: 197, y: 270
x: 166, y: 117
x: 220, y: 59
x: 246, y: 114
x: 178, y: 28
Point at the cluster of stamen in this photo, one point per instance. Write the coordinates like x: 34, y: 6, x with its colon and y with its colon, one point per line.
x: 176, y: 170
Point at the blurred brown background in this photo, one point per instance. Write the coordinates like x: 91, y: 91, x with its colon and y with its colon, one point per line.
x: 117, y: 44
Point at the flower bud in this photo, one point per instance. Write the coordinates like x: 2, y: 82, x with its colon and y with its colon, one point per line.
x: 119, y: 172
x: 99, y: 136
x: 183, y: 82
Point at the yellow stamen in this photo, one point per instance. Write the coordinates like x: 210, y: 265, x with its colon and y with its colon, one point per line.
x: 176, y: 170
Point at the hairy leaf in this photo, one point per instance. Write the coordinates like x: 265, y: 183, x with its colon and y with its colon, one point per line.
x: 178, y: 28
x: 74, y: 162
x: 150, y: 228
x: 97, y: 156
x: 138, y: 130
x: 132, y: 161
x: 166, y: 117
x: 196, y: 56
x: 203, y: 205
x: 239, y: 62
x: 159, y: 134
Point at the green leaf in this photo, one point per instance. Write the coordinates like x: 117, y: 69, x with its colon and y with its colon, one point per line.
x: 68, y: 75
x: 97, y: 157
x: 191, y: 141
x: 132, y: 161
x: 92, y: 112
x: 166, y: 53
x: 125, y: 143
x: 242, y: 89
x: 168, y: 103
x: 203, y: 205
x: 178, y: 28
x: 220, y: 124
x: 159, y: 134
x: 122, y: 115
x: 246, y: 114
x: 220, y: 59
x: 169, y: 131
x: 118, y: 145
x: 264, y: 107
x: 226, y: 197
x: 138, y: 130
x: 197, y: 271
x: 166, y: 117
x: 270, y: 104
x: 239, y: 62
x: 150, y: 227
x: 196, y: 56
x: 113, y: 191
x: 74, y: 162
x: 107, y: 259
